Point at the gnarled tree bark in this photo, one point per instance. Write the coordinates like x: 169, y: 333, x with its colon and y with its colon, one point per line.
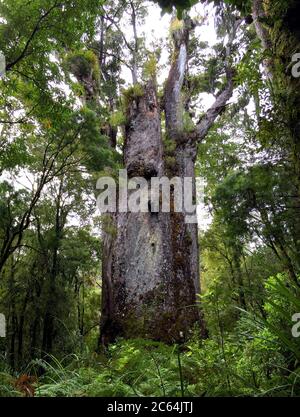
x: 151, y: 262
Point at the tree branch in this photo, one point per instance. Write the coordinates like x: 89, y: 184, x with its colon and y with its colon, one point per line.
x: 31, y: 37
x: 216, y: 109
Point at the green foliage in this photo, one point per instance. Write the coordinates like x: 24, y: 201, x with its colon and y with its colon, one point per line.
x: 282, y: 303
x: 169, y: 154
x: 176, y: 25
x: 117, y: 119
x: 243, y: 5
x: 180, y: 5
x: 83, y: 64
x: 188, y: 124
x: 150, y: 68
x: 131, y: 94
x: 245, y: 364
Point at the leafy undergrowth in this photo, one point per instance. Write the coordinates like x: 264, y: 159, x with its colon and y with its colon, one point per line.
x: 143, y: 368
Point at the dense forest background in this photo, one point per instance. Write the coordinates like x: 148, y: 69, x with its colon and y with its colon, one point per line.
x: 73, y: 69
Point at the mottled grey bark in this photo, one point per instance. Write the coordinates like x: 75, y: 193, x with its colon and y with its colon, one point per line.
x: 186, y: 147
x: 259, y: 14
x: 148, y: 290
x: 151, y: 261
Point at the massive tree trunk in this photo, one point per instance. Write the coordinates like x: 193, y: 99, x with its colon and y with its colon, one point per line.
x: 53, y: 273
x: 150, y: 260
x: 148, y: 288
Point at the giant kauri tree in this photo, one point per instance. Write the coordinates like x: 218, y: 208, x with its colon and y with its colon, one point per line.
x: 151, y: 261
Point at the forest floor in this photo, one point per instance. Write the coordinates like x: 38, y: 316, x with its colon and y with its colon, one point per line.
x: 143, y: 368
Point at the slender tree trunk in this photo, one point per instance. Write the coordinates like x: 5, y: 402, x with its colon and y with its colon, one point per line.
x: 135, y: 48
x: 33, y: 335
x: 239, y: 279
x: 12, y: 321
x: 48, y: 326
x: 21, y: 327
